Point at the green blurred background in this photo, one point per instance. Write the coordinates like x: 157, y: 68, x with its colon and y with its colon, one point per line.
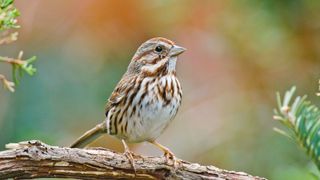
x: 240, y: 52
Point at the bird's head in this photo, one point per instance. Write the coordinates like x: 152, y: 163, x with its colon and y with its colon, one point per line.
x: 156, y: 56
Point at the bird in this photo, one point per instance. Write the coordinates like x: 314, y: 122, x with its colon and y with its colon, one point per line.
x: 145, y: 100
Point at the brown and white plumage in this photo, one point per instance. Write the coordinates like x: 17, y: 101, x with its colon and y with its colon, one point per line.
x: 147, y: 97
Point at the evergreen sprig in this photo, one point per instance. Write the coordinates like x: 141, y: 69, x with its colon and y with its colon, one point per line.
x: 302, y: 120
x: 19, y: 66
x: 8, y: 21
x: 8, y: 15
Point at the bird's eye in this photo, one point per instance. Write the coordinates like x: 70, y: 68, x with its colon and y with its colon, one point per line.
x: 158, y: 49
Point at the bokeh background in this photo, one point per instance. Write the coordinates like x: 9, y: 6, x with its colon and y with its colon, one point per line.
x: 240, y: 53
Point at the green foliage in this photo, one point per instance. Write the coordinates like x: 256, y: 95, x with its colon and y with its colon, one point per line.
x: 8, y: 15
x: 5, y: 3
x: 302, y: 120
x: 8, y: 21
x: 24, y: 66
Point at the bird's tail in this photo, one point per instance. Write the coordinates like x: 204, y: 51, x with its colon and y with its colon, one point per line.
x: 89, y: 136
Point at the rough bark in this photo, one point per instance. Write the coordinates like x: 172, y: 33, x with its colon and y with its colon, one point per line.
x: 34, y: 159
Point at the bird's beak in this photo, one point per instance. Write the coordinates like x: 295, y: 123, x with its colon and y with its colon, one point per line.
x: 176, y: 50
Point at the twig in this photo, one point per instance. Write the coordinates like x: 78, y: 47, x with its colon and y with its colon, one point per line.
x: 17, y: 61
x: 6, y: 83
x: 19, y: 66
x: 34, y: 159
x: 9, y: 38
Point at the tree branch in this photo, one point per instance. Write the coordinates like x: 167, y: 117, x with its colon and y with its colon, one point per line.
x: 34, y: 159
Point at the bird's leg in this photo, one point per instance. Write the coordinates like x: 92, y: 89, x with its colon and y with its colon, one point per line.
x: 167, y: 153
x: 128, y: 154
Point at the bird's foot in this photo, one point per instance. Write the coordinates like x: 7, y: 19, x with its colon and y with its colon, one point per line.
x: 168, y: 155
x: 171, y: 157
x: 129, y: 155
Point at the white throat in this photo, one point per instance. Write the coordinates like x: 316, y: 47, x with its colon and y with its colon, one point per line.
x: 172, y: 64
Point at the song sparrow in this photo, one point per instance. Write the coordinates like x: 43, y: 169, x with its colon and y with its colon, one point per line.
x: 145, y: 100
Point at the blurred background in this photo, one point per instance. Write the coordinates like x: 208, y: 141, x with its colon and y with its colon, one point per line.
x: 240, y: 53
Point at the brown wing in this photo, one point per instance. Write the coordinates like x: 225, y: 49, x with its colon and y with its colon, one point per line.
x: 120, y: 92
x: 117, y: 101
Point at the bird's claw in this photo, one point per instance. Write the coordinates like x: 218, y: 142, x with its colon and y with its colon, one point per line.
x: 170, y: 157
x: 128, y: 154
